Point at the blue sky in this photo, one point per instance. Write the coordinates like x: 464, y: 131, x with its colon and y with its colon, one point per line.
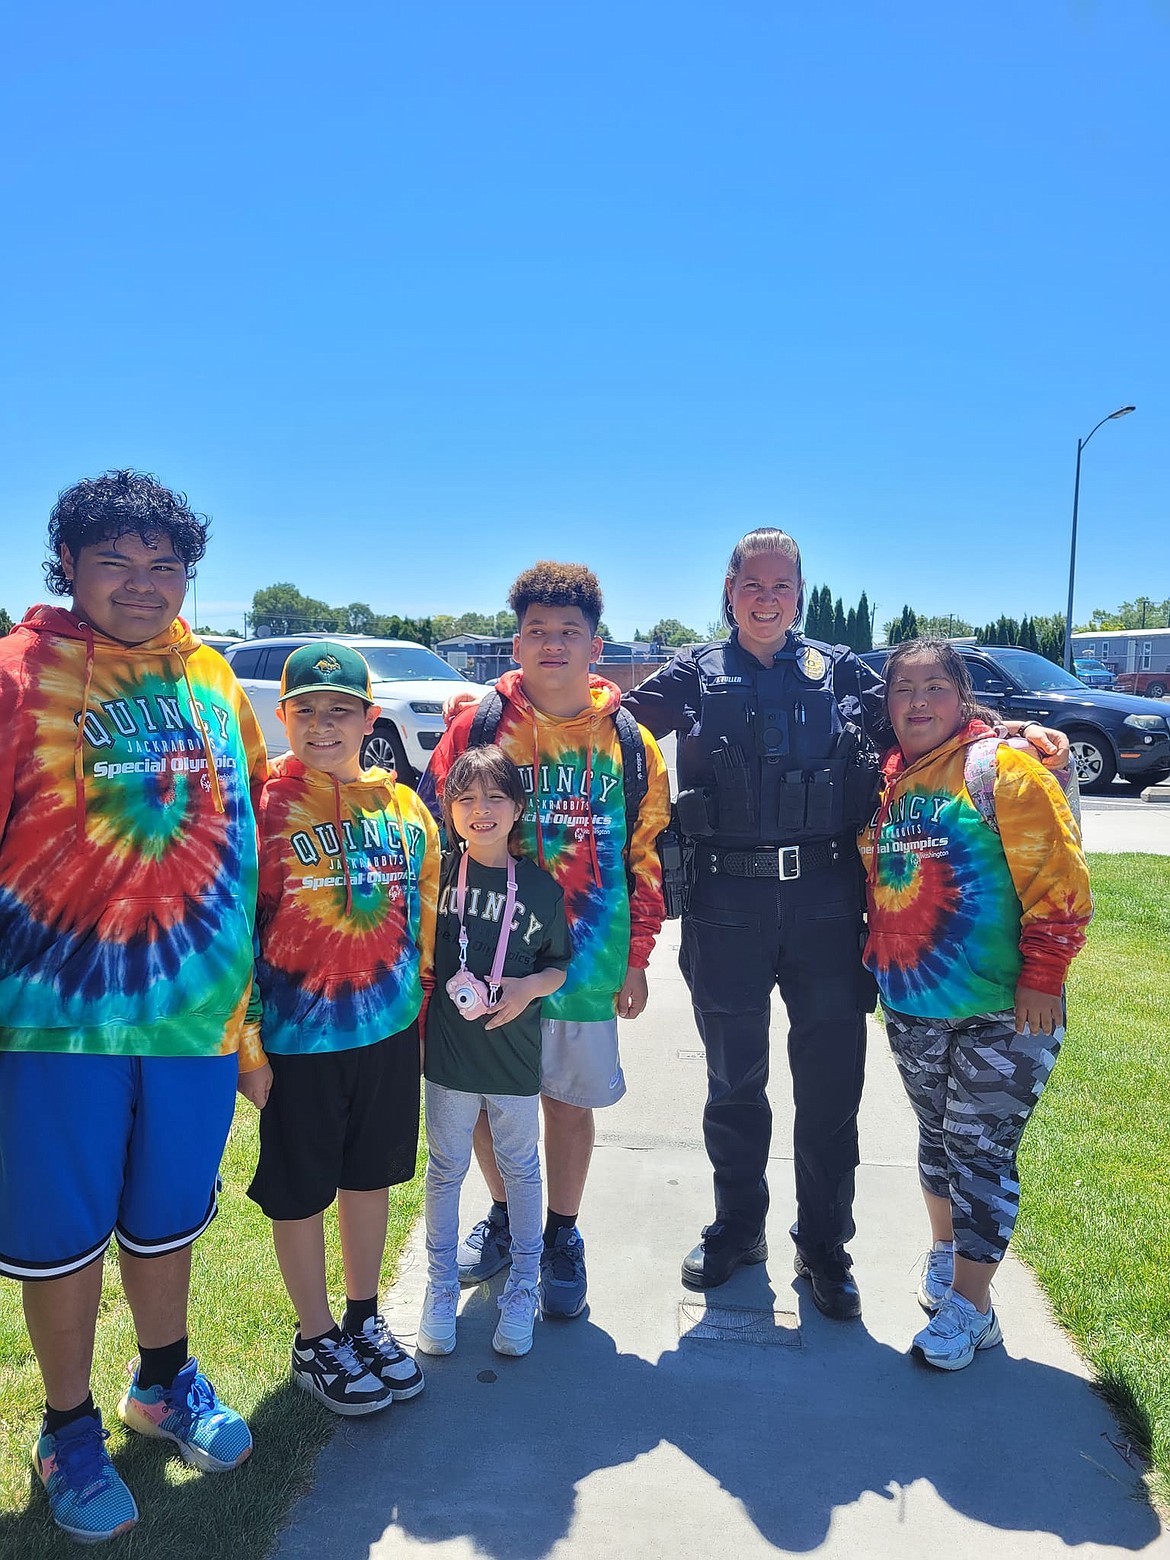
x: 407, y: 296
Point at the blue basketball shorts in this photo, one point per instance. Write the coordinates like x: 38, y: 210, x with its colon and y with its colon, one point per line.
x: 99, y: 1146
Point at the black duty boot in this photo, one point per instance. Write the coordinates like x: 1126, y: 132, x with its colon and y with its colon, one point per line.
x: 834, y: 1292
x: 720, y: 1251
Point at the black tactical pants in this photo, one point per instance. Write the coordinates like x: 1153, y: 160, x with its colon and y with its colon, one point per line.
x: 740, y: 938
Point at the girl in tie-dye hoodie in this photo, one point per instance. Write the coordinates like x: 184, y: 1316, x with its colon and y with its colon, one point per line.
x: 975, y: 914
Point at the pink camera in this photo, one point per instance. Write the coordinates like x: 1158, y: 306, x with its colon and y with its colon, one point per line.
x: 469, y: 994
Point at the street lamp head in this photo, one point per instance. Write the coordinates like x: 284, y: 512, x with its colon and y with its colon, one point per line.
x: 1121, y: 411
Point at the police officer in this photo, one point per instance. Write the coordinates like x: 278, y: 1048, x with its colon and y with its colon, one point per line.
x: 776, y: 772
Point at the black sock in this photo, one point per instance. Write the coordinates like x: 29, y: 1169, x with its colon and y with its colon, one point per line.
x: 358, y: 1313
x: 57, y: 1418
x: 334, y: 1333
x: 555, y: 1222
x: 499, y: 1213
x: 159, y: 1367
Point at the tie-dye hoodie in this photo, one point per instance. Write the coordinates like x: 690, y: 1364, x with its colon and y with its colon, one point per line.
x: 127, y: 842
x: 346, y: 919
x: 574, y: 825
x: 958, y: 914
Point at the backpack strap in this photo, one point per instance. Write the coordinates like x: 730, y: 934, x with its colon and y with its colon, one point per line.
x: 486, y: 720
x: 979, y: 777
x: 635, y: 779
x: 485, y: 723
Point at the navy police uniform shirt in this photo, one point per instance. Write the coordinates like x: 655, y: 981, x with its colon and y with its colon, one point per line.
x: 768, y: 755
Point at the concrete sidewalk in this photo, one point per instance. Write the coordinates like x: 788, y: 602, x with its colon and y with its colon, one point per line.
x: 618, y: 1436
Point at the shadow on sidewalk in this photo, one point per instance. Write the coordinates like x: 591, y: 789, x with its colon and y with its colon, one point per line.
x: 795, y: 1434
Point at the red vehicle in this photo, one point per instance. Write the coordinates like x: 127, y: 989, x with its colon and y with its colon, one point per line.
x: 1152, y: 685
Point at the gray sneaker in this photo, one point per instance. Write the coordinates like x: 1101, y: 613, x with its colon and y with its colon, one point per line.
x: 938, y: 1274
x: 485, y: 1250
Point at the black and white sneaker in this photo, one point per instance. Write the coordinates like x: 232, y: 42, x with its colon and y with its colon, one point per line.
x: 380, y: 1352
x: 330, y: 1371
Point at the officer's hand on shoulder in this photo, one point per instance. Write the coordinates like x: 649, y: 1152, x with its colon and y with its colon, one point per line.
x: 455, y: 703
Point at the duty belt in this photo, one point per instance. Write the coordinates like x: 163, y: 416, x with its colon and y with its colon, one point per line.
x: 785, y: 862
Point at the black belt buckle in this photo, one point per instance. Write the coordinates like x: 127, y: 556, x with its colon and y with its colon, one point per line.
x: 788, y: 860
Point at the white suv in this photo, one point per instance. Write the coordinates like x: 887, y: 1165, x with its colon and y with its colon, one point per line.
x: 409, y: 681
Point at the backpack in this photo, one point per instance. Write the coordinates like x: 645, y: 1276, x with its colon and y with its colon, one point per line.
x: 979, y: 778
x: 635, y: 780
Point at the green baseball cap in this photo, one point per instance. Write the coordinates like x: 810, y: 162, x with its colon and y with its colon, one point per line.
x: 326, y: 667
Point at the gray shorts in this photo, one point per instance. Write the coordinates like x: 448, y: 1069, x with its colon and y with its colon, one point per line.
x: 579, y: 1063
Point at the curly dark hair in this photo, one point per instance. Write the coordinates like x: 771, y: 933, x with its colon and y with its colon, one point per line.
x: 121, y: 503
x: 548, y: 584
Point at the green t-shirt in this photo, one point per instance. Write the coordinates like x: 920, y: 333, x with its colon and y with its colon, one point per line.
x: 460, y: 1052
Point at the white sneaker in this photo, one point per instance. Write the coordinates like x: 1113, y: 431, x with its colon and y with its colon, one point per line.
x: 955, y: 1332
x: 436, y: 1328
x: 938, y: 1274
x: 518, y: 1307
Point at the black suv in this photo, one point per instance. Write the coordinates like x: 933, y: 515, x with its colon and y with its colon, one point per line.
x: 1109, y: 733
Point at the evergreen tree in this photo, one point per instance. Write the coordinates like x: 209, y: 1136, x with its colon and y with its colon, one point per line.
x: 826, y: 613
x: 864, y: 625
x: 851, y: 628
x: 6, y: 623
x: 838, y: 634
x: 812, y: 612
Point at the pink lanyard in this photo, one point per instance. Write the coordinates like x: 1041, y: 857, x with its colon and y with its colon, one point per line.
x: 505, y: 925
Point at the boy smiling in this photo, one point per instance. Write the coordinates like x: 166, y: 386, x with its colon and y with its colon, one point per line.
x: 349, y: 867
x: 557, y: 724
x: 127, y: 891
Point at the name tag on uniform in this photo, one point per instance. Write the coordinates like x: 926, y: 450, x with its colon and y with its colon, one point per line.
x: 728, y: 682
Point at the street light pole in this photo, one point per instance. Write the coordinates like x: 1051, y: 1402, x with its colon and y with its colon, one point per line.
x: 1122, y: 411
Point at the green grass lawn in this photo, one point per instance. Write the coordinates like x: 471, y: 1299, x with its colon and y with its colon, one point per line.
x: 241, y: 1327
x: 1095, y: 1164
x: 1096, y: 1178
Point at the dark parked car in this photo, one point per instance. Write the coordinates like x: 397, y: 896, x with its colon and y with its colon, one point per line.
x: 1109, y: 733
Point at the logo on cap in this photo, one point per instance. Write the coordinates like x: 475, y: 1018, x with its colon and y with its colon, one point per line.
x: 326, y: 664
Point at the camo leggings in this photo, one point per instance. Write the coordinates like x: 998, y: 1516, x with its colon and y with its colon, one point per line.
x: 973, y: 1083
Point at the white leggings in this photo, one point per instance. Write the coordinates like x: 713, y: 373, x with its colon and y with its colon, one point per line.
x: 515, y: 1122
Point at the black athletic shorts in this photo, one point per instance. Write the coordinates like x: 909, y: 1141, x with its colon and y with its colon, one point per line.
x: 338, y: 1119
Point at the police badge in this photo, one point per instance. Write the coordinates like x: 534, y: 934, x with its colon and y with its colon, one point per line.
x: 811, y: 663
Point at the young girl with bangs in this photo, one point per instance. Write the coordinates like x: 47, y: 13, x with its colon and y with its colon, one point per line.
x: 978, y: 899
x: 501, y: 944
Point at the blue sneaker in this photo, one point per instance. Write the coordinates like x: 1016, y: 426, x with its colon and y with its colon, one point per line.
x: 209, y: 1435
x: 562, y: 1276
x: 87, y: 1498
x: 485, y: 1250
x: 938, y: 1274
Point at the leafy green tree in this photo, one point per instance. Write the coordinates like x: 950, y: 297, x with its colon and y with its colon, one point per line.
x: 717, y: 629
x: 1142, y: 613
x: 282, y: 609
x: 6, y: 623
x: 669, y: 631
x: 944, y: 626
